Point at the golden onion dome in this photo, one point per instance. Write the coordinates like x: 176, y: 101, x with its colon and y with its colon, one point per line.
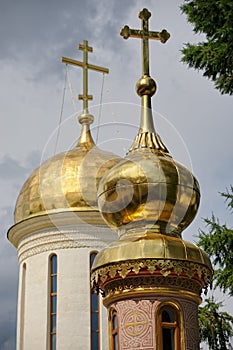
x: 149, y: 198
x: 148, y: 188
x: 68, y: 181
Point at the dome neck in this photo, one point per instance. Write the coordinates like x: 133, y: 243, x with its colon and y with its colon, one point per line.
x: 85, y: 139
x: 148, y: 232
x: 147, y: 136
x: 146, y: 122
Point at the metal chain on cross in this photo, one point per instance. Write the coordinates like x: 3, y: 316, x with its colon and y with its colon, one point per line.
x: 61, y: 114
x: 85, y: 117
x: 73, y: 100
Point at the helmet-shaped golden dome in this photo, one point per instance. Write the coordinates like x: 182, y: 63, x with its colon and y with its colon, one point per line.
x: 67, y: 181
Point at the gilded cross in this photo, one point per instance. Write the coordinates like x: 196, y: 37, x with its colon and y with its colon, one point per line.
x: 145, y: 35
x: 85, y: 66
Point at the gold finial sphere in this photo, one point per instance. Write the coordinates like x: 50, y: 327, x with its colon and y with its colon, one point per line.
x: 146, y: 86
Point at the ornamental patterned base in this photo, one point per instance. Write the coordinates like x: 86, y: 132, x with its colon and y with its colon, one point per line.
x: 139, y: 329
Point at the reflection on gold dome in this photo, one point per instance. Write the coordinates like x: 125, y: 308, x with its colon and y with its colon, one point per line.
x: 149, y: 189
x: 67, y: 181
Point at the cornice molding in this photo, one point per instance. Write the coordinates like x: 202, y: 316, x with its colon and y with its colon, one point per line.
x: 59, y: 231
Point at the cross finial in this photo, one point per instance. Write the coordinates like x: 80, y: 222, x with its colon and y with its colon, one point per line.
x: 145, y: 35
x: 85, y: 66
x: 146, y: 86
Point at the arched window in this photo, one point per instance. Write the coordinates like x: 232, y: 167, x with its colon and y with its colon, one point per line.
x: 168, y: 328
x: 114, y: 329
x: 95, y: 312
x: 53, y: 301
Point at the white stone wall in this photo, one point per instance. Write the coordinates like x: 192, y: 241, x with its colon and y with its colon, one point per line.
x: 73, y: 305
x: 32, y: 327
x: 72, y: 245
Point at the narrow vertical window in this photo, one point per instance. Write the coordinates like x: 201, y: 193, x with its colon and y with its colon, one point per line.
x: 53, y: 301
x: 95, y: 322
x: 169, y: 334
x: 114, y: 330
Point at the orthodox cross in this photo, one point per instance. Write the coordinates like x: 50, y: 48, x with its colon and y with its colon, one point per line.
x: 145, y: 35
x: 85, y: 66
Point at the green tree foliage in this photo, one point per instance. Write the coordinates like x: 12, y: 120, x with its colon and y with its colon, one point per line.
x: 214, y: 18
x: 218, y: 243
x: 215, y: 325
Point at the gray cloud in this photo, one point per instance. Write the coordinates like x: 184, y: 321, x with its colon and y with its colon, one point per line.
x: 11, y: 169
x: 39, y: 33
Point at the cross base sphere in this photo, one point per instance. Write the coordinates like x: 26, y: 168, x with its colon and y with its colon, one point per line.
x: 146, y: 86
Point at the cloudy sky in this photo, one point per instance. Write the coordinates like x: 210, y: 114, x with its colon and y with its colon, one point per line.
x: 194, y: 120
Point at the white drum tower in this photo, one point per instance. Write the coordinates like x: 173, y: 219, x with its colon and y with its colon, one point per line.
x: 58, y: 231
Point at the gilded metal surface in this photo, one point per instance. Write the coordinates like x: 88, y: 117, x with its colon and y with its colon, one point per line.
x: 164, y: 267
x: 85, y: 66
x: 145, y: 35
x: 145, y: 267
x: 146, y: 86
x: 135, y: 247
x: 81, y: 64
x: 67, y: 181
x: 149, y: 189
x: 150, y: 199
x: 148, y: 140
x: 153, y: 283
